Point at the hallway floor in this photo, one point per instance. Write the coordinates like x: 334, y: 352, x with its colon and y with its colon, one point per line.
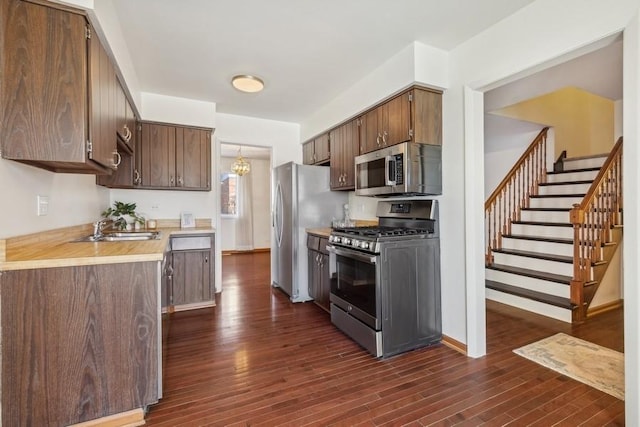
x: 257, y: 359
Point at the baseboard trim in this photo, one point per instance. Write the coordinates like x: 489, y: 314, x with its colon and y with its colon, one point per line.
x: 193, y: 306
x: 454, y: 344
x: 252, y: 251
x: 124, y: 419
x: 614, y: 305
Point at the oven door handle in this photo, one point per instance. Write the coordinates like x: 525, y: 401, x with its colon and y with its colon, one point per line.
x: 352, y: 254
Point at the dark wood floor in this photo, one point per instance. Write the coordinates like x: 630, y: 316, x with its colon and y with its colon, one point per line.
x: 257, y: 359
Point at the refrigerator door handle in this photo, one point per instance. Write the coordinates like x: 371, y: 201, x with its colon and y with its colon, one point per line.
x: 279, y: 217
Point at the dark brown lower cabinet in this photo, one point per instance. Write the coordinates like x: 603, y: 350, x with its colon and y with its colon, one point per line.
x: 318, y: 267
x: 193, y: 271
x: 79, y: 343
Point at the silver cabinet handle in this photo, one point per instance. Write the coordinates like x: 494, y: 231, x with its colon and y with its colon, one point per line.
x: 136, y: 177
x: 378, y: 139
x: 118, y: 159
x: 384, y: 137
x: 171, y: 179
x: 179, y: 181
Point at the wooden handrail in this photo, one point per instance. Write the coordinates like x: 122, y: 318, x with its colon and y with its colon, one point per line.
x: 492, y: 198
x: 597, y: 182
x: 593, y: 220
x: 512, y: 194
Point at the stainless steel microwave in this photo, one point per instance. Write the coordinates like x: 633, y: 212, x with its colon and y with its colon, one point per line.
x: 407, y: 169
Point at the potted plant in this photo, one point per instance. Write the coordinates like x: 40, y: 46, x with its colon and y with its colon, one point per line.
x: 123, y: 214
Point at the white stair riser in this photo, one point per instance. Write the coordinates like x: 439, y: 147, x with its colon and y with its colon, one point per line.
x: 542, y: 231
x: 530, y: 305
x: 531, y: 283
x: 546, y: 190
x: 548, y: 266
x: 554, y: 202
x: 573, y: 176
x: 591, y: 162
x: 561, y: 217
x: 551, y: 248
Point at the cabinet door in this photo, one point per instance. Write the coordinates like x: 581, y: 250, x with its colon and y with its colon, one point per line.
x: 337, y: 165
x: 191, y: 276
x: 308, y: 153
x: 397, y: 120
x: 193, y: 158
x: 371, y: 134
x: 322, y: 148
x: 157, y: 152
x: 350, y: 149
x: 427, y: 117
x: 312, y: 269
x: 103, y: 95
x: 44, y: 109
x: 325, y: 284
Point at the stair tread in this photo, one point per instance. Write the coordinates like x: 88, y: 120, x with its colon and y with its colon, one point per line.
x: 530, y: 294
x: 572, y: 171
x: 549, y: 184
x: 547, y: 209
x: 551, y: 196
x: 543, y: 275
x: 537, y: 255
x: 546, y: 224
x: 539, y: 239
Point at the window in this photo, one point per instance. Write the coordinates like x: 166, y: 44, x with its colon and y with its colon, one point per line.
x: 229, y: 194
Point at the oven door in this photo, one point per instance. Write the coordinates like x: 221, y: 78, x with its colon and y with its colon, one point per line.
x: 355, y: 285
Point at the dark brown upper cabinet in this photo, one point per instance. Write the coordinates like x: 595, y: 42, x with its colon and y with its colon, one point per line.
x: 345, y: 146
x: 316, y: 151
x: 415, y: 115
x: 173, y: 157
x: 57, y: 84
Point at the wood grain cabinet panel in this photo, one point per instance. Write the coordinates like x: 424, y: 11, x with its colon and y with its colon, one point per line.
x: 345, y: 146
x: 318, y: 271
x: 317, y: 151
x: 173, y: 157
x: 51, y: 90
x: 78, y: 343
x: 192, y: 266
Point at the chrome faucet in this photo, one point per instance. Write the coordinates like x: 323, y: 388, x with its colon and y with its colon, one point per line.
x: 98, y: 226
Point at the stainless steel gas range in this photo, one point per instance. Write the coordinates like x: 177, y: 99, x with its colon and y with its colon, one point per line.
x: 385, y: 280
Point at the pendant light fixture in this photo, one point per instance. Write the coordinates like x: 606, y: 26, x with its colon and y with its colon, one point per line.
x: 240, y: 166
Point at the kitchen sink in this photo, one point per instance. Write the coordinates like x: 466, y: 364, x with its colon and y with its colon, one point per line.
x: 122, y: 236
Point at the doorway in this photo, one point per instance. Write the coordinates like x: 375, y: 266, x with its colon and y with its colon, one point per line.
x: 245, y: 198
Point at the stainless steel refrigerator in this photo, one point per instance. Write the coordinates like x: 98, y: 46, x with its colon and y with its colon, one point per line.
x: 302, y: 200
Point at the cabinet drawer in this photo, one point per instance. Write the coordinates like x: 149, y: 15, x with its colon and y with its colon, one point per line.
x: 190, y: 243
x: 313, y: 242
x: 322, y: 245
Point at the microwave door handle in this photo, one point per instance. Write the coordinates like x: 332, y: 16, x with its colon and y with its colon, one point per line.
x: 389, y: 168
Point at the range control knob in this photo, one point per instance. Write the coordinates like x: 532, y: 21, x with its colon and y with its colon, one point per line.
x: 346, y: 241
x: 364, y: 245
x: 355, y: 243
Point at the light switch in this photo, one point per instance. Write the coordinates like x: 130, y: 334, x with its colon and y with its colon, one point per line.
x: 43, y: 205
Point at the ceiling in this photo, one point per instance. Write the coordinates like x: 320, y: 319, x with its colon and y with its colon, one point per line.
x: 307, y: 52
x: 247, y: 151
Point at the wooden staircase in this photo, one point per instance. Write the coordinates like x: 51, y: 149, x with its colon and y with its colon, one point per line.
x: 552, y: 235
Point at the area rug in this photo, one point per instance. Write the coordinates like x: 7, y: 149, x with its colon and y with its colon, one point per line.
x: 597, y: 366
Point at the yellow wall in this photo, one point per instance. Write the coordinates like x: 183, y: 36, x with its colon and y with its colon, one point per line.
x: 583, y: 122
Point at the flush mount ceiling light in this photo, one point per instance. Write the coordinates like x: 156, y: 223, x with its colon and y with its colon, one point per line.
x: 247, y: 83
x: 240, y: 166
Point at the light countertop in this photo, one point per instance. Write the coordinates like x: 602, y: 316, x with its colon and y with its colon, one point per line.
x: 57, y: 248
x: 322, y: 232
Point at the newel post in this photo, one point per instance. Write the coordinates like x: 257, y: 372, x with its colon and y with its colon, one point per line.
x: 576, y: 216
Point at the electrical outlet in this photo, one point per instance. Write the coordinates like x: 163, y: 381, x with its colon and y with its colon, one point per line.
x: 155, y: 206
x: 43, y: 205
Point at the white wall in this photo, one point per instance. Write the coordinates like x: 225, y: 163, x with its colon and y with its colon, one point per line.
x: 540, y: 33
x: 73, y: 199
x: 261, y: 206
x: 504, y: 142
x: 282, y: 137
x: 617, y: 119
x: 415, y: 63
